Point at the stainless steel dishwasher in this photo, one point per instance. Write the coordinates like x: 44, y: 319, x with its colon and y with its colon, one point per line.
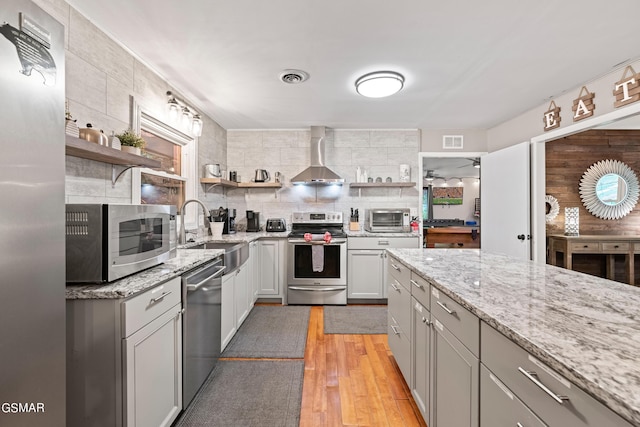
x: 201, y: 294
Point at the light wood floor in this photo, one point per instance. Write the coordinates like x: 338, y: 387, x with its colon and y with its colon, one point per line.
x: 353, y: 380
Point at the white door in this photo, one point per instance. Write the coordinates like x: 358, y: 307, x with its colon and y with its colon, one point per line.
x: 505, y: 206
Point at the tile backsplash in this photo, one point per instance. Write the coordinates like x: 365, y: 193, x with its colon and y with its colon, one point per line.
x: 379, y: 152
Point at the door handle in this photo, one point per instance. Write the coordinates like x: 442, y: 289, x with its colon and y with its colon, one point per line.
x: 521, y: 237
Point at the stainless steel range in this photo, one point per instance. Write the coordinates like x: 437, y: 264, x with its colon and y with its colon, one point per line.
x: 316, y: 268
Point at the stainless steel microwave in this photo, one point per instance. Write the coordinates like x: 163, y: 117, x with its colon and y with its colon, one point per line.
x: 388, y: 220
x: 105, y: 242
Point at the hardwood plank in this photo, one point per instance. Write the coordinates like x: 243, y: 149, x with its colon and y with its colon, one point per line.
x: 353, y: 380
x: 347, y: 401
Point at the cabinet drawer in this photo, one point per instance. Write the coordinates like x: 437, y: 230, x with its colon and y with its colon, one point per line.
x: 584, y: 246
x: 500, y: 407
x: 401, y: 348
x: 420, y: 289
x: 636, y: 247
x: 400, y: 272
x: 457, y: 319
x: 622, y: 247
x: 512, y: 364
x: 142, y: 309
x: 399, y: 305
x: 382, y: 242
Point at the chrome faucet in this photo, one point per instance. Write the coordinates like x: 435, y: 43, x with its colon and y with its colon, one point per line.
x: 183, y: 235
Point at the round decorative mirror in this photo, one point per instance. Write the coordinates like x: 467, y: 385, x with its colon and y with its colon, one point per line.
x: 552, y: 208
x: 609, y: 189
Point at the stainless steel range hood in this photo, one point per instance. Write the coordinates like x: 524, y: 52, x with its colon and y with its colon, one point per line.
x: 317, y: 173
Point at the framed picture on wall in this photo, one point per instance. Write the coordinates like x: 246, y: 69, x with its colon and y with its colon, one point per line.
x: 447, y: 195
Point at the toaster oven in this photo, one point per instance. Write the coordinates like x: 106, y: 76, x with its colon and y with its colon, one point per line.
x: 388, y: 220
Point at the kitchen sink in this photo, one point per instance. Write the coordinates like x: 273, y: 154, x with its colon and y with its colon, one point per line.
x: 235, y: 253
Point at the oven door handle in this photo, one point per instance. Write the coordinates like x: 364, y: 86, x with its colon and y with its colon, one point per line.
x: 297, y: 288
x: 317, y: 242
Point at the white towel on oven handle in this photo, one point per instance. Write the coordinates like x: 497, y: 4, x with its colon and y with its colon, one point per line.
x: 317, y: 258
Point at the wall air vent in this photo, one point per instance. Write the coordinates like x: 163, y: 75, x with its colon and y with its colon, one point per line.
x: 452, y: 142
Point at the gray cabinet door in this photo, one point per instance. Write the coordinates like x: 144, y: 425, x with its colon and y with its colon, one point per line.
x: 228, y: 309
x: 269, y: 268
x: 499, y: 407
x: 241, y: 295
x: 454, y: 397
x: 365, y: 274
x: 153, y: 372
x: 420, y: 346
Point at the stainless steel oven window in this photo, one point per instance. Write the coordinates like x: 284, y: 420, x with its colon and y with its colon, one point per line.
x: 303, y: 264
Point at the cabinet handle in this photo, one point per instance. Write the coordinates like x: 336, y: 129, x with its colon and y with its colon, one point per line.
x: 425, y: 320
x: 395, y: 288
x: 395, y: 267
x: 416, y: 284
x: 519, y: 425
x: 532, y: 377
x: 445, y: 308
x: 395, y: 329
x: 383, y: 242
x: 156, y: 299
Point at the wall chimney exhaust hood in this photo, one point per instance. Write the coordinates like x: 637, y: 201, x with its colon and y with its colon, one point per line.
x: 317, y: 173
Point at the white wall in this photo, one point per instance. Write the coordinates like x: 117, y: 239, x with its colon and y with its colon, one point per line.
x: 101, y: 76
x: 380, y: 152
x: 530, y: 124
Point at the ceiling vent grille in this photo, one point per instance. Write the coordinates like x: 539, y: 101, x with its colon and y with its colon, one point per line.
x: 452, y: 142
x: 294, y: 76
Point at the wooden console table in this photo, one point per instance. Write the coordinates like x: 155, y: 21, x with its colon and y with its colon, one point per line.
x: 455, y: 237
x: 605, y: 245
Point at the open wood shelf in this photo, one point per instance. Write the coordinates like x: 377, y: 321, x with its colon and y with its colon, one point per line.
x: 226, y: 183
x: 77, y: 147
x: 381, y: 184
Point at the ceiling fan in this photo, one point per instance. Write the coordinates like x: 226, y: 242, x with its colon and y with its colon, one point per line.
x: 431, y: 175
x: 474, y: 162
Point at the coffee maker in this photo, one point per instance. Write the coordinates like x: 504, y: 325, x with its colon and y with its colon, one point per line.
x: 253, y: 221
x: 230, y: 225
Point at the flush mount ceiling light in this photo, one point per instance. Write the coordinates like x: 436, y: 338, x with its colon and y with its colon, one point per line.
x: 379, y: 84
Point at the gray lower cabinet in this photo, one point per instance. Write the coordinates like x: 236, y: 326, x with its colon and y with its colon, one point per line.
x: 228, y: 310
x: 399, y: 321
x: 366, y: 273
x: 153, y: 379
x: 367, y: 261
x: 124, y: 359
x: 455, y: 381
x: 500, y: 407
x: 271, y: 267
x: 420, y: 355
x: 552, y: 397
x: 241, y: 296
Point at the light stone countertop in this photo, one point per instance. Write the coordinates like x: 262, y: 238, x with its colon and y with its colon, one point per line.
x: 184, y: 261
x: 363, y: 233
x: 585, y: 327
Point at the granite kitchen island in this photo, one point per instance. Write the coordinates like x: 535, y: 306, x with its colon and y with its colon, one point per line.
x: 585, y: 328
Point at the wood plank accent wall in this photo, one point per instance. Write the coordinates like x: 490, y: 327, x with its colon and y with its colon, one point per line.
x: 566, y: 160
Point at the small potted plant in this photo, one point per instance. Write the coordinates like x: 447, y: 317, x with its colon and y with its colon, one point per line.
x: 131, y: 142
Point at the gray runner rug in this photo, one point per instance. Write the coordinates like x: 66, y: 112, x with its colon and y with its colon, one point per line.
x: 271, y: 331
x: 248, y: 393
x: 355, y: 319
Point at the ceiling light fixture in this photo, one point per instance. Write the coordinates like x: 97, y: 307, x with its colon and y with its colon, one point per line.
x: 379, y: 84
x: 184, y: 115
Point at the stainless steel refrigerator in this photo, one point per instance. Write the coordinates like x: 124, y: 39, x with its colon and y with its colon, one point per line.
x: 32, y: 173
